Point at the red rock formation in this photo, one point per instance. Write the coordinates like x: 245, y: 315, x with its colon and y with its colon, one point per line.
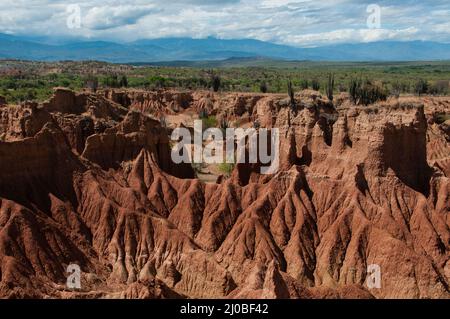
x: 86, y: 181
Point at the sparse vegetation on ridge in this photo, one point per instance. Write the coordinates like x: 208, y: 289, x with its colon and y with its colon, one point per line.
x: 21, y: 80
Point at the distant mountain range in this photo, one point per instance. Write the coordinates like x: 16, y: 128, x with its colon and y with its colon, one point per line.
x: 212, y: 49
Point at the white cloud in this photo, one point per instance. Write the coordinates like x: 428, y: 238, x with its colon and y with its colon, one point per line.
x: 297, y: 22
x: 352, y: 36
x: 107, y: 17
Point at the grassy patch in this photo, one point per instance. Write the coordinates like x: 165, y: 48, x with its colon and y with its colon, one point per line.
x: 226, y: 169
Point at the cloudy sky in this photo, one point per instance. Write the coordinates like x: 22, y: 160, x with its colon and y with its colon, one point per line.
x: 295, y: 22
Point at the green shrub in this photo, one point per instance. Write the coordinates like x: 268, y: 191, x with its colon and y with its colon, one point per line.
x: 91, y: 82
x: 421, y: 87
x: 304, y: 85
x: 439, y: 87
x: 123, y: 81
x: 158, y: 81
x: 209, y: 122
x: 215, y: 83
x: 263, y: 87
x: 365, y: 93
x: 226, y: 169
x: 315, y: 85
x: 111, y: 81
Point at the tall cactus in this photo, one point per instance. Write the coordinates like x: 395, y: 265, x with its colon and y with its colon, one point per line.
x: 330, y: 87
x: 292, y: 97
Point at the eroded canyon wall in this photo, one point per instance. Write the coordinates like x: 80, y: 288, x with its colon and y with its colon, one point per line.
x: 87, y: 179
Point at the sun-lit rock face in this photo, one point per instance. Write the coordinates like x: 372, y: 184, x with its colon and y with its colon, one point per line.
x: 88, y: 179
